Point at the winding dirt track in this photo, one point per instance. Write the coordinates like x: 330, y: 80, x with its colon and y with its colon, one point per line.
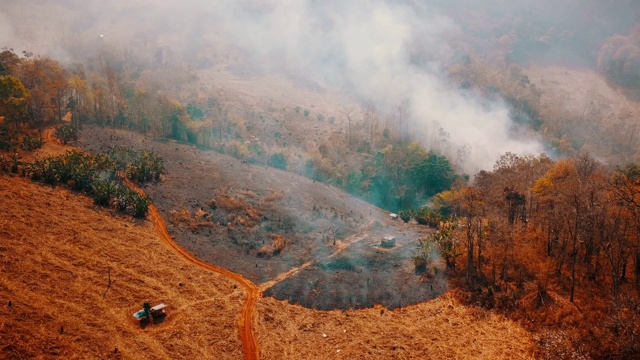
x: 340, y: 246
x: 245, y: 323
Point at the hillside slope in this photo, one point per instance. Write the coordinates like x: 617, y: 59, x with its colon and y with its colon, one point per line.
x: 226, y: 211
x: 56, y: 253
x: 58, y: 250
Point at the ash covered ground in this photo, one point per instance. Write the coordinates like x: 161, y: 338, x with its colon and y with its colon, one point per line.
x: 300, y: 240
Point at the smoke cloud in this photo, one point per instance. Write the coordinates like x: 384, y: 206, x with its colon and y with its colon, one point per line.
x: 382, y: 52
x: 379, y: 52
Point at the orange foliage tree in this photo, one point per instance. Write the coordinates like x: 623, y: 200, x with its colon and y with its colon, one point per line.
x: 47, y: 82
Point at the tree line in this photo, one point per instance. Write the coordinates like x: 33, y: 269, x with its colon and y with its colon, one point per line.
x: 535, y: 231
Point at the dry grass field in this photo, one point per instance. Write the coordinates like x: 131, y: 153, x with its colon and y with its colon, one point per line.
x: 56, y: 252
x: 439, y: 329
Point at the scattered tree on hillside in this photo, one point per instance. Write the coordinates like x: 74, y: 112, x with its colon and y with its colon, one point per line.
x: 47, y: 82
x: 578, y: 237
x: 349, y: 114
x: 67, y: 133
x: 14, y: 98
x: 625, y: 187
x: 576, y: 187
x: 80, y: 97
x: 8, y: 62
x: 620, y: 58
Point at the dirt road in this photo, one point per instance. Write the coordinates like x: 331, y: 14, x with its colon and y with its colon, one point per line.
x: 245, y: 322
x: 340, y: 246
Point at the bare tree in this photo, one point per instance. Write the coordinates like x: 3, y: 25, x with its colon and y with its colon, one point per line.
x: 349, y: 112
x: 401, y: 117
x: 369, y: 116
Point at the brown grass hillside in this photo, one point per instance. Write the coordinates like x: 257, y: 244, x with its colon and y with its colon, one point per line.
x: 55, y: 251
x: 439, y: 329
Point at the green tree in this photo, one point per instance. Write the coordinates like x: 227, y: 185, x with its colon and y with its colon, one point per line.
x: 432, y: 174
x: 195, y: 112
x: 80, y: 97
x: 14, y: 98
x: 8, y: 62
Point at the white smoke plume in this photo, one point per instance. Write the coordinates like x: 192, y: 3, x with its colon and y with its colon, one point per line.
x: 380, y: 52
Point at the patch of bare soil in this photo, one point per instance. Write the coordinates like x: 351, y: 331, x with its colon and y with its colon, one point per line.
x: 225, y: 211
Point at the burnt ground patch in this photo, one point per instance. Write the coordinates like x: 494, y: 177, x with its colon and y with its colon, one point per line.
x: 361, y: 277
x: 225, y: 211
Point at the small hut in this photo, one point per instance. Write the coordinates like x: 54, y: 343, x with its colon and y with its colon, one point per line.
x: 388, y: 242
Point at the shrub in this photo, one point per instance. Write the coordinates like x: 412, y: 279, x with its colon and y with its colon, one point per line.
x: 30, y: 143
x: 139, y: 166
x: 428, y: 217
x: 13, y: 164
x: 140, y: 206
x: 6, y: 138
x: 40, y: 170
x: 405, y: 215
x: 422, y: 259
x: 101, y: 191
x: 67, y: 133
x: 78, y: 170
x: 276, y: 246
x: 123, y: 198
x: 4, y: 167
x: 278, y: 160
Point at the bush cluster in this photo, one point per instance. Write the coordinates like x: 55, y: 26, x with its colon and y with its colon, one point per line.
x: 30, y: 143
x: 67, y: 133
x: 107, y: 192
x: 423, y: 216
x: 95, y: 175
x: 75, y: 169
x: 139, y: 166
